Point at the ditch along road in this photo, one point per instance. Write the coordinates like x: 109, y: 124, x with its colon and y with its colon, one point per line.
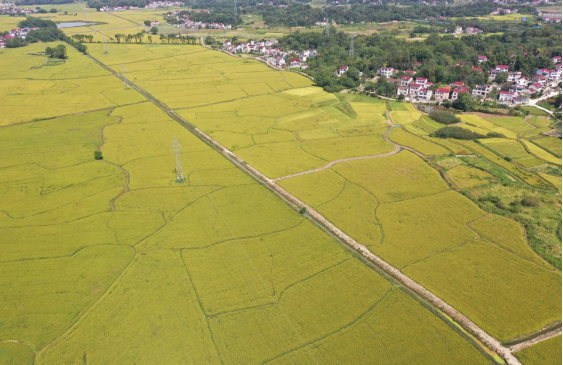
x: 444, y: 309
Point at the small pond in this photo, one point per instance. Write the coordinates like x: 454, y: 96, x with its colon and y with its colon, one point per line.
x: 73, y: 24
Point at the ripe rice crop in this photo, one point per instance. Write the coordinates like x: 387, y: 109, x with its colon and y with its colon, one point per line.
x: 427, y: 148
x: 547, y: 352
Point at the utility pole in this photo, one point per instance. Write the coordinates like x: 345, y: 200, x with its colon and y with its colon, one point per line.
x: 351, y: 53
x: 179, y: 171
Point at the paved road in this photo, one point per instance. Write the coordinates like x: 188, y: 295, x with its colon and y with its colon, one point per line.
x: 420, y: 291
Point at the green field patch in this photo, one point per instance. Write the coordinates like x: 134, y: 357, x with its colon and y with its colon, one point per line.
x: 552, y: 144
x: 382, y: 335
x: 152, y: 313
x: 280, y: 159
x: 353, y: 211
x: 512, y: 149
x: 515, y: 124
x: 547, y: 352
x: 555, y: 180
x: 467, y: 177
x: 320, y: 133
x: 412, y: 232
x: 47, y: 298
x: 508, y: 235
x: 315, y: 189
x: 233, y: 141
x: 15, y: 353
x: 507, y: 307
x: 339, y: 148
x: 394, y: 177
x: 485, y: 126
x: 398, y: 106
x: 399, y: 136
x: 272, y: 263
x: 228, y: 214
x: 541, y: 153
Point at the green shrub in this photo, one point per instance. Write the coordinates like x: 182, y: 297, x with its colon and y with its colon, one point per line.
x: 530, y: 201
x: 98, y: 155
x: 444, y: 117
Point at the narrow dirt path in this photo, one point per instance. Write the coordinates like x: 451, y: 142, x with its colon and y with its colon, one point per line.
x: 415, y: 288
x: 546, y: 336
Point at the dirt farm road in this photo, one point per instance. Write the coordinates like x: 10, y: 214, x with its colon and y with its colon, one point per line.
x: 421, y: 292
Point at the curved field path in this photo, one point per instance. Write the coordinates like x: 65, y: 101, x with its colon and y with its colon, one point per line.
x: 415, y: 288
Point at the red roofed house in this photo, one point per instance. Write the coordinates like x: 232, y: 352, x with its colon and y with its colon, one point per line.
x: 403, y: 90
x: 442, y: 93
x: 406, y: 80
x: 425, y: 94
x: 387, y: 71
x: 414, y: 88
x: 501, y: 68
x: 458, y: 91
x: 421, y: 81
x: 410, y: 72
x: 458, y: 84
x: 506, y: 96
x: 294, y: 62
x: 482, y: 59
x: 342, y: 70
x: 556, y: 59
x: 477, y: 68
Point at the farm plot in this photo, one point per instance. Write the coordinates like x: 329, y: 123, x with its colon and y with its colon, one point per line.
x: 92, y: 276
x: 547, y: 352
x: 513, y: 150
x: 551, y: 144
x: 426, y: 147
x: 405, y: 214
x: 33, y: 90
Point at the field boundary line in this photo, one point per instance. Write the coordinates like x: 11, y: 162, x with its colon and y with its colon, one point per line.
x: 543, y: 337
x: 416, y: 288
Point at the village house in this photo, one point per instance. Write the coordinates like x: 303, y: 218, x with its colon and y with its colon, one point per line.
x: 294, y: 63
x: 442, y: 93
x: 425, y: 94
x: 506, y: 96
x: 482, y: 91
x: 414, y: 89
x: 422, y: 81
x: 514, y: 76
x: 406, y: 80
x: 459, y: 90
x: 387, y: 71
x: 403, y: 90
x: 556, y: 59
x: 482, y: 59
x: 342, y: 70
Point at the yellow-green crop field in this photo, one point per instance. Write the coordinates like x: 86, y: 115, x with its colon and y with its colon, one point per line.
x: 547, y: 352
x: 398, y: 206
x: 112, y: 261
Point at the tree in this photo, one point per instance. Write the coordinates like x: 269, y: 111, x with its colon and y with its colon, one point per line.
x: 147, y: 23
x: 56, y: 52
x: 118, y: 37
x: 154, y: 30
x: 98, y: 155
x: 53, y: 11
x: 501, y: 78
x: 209, y: 40
x: 150, y: 39
x: 463, y: 102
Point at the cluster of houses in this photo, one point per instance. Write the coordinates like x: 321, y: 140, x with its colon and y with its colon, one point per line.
x: 270, y: 53
x: 468, y: 30
x: 503, y: 11
x: 12, y: 9
x: 184, y: 21
x: 151, y: 5
x: 520, y: 91
x: 551, y: 17
x: 21, y: 33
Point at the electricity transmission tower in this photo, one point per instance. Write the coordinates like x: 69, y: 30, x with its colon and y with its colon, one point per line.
x: 105, y: 46
x: 179, y: 171
x: 327, y: 30
x: 351, y: 53
x: 235, y: 7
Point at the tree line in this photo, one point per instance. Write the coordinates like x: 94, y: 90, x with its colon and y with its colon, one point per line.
x: 444, y: 59
x: 47, y: 32
x: 304, y: 15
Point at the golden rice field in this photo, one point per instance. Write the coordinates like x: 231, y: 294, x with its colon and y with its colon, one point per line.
x: 403, y: 211
x: 33, y: 90
x: 111, y: 261
x: 547, y: 352
x: 398, y: 206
